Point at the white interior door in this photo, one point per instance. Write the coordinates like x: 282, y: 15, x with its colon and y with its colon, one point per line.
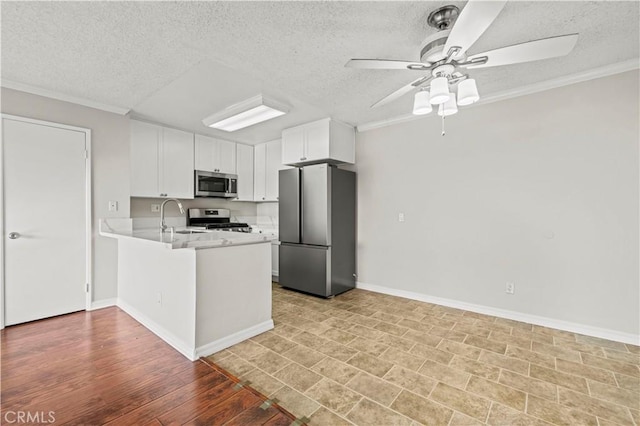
x: 45, y: 220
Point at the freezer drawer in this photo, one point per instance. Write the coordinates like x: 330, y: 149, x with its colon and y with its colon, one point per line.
x: 305, y: 268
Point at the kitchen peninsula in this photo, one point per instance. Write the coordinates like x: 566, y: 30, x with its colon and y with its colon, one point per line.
x: 200, y: 292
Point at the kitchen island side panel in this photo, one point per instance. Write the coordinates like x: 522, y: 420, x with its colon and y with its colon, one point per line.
x: 157, y: 286
x: 233, y: 295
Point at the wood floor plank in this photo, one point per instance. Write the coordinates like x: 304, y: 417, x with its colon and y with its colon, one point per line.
x: 169, y: 401
x: 103, y: 367
x: 148, y: 392
x: 279, y: 419
x: 224, y: 411
x: 199, y: 404
x: 253, y: 416
x: 55, y: 378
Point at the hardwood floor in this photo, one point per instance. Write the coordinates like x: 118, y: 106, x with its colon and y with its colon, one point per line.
x: 103, y: 367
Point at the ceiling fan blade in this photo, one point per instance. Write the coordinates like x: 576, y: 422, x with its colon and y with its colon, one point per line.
x: 545, y: 48
x: 402, y: 91
x: 387, y: 64
x: 474, y: 20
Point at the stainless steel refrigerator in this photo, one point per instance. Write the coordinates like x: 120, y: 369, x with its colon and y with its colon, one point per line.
x: 317, y: 229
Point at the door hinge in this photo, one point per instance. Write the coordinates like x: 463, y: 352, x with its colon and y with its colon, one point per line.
x: 87, y: 287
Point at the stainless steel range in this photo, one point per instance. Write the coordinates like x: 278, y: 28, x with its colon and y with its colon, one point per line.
x: 217, y: 219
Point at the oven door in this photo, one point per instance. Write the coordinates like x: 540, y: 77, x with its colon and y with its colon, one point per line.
x: 209, y: 184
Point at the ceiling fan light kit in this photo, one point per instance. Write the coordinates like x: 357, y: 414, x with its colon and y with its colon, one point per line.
x: 448, y: 108
x: 439, y: 91
x: 421, y: 104
x: 444, y: 57
x: 467, y: 92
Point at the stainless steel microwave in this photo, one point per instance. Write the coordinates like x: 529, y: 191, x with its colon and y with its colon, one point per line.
x: 219, y: 185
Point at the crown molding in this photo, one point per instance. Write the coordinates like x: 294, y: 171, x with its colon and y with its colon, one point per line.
x: 62, y: 97
x: 554, y: 83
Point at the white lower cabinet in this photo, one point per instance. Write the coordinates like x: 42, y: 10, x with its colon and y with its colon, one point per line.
x: 161, y: 161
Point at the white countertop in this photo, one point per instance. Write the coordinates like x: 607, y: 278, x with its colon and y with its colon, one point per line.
x: 201, y: 240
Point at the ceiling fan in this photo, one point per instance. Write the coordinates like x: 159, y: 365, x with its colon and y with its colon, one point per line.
x: 444, y: 57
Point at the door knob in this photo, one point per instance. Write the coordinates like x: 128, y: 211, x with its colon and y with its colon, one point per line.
x: 14, y: 235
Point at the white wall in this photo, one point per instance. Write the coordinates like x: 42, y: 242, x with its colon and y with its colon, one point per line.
x: 110, y: 163
x: 541, y: 190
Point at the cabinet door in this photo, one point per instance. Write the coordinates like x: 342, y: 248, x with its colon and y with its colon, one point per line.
x: 205, y: 148
x: 144, y: 145
x: 245, y: 172
x: 317, y: 140
x: 273, y: 163
x: 225, y: 157
x: 176, y: 177
x: 259, y: 161
x: 293, y: 145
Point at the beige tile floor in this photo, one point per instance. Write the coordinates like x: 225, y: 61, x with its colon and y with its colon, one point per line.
x: 370, y: 359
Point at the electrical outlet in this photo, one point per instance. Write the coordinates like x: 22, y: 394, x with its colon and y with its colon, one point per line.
x: 510, y: 288
x: 155, y: 208
x: 400, y: 217
x: 113, y: 206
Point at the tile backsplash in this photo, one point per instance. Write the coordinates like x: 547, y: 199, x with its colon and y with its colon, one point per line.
x: 262, y: 215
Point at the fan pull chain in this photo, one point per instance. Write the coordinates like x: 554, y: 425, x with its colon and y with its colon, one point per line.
x: 443, y: 132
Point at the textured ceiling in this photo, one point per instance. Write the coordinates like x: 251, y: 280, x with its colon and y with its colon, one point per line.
x: 177, y: 62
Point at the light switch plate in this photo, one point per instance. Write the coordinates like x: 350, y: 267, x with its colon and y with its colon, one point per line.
x: 113, y: 206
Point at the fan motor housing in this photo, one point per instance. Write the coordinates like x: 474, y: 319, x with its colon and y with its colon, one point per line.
x: 433, y: 46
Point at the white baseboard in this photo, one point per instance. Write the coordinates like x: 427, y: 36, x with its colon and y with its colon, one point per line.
x: 588, y: 330
x: 225, y: 342
x: 104, y: 303
x: 177, y: 343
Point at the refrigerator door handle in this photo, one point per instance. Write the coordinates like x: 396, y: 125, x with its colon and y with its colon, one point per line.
x: 304, y: 245
x: 301, y: 205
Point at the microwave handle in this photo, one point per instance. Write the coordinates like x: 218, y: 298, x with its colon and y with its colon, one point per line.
x: 227, y: 185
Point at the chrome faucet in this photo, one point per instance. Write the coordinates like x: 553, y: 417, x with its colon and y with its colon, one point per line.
x: 163, y: 226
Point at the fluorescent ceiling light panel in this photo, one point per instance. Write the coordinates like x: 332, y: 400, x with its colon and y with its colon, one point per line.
x: 246, y: 113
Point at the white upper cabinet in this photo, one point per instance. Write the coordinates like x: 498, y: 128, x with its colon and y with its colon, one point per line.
x: 267, y: 165
x: 273, y: 163
x: 320, y: 141
x: 215, y: 155
x: 244, y: 167
x: 259, y: 172
x: 294, y: 145
x: 145, y: 159
x: 161, y: 161
x: 176, y: 179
